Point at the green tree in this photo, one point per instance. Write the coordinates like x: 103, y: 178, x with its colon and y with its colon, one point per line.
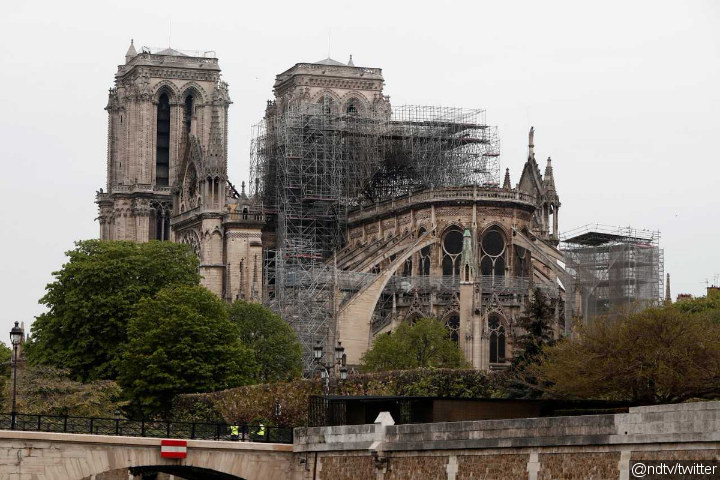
x: 707, y: 307
x: 181, y: 341
x: 92, y: 298
x: 49, y: 391
x: 5, y: 364
x: 659, y: 355
x: 427, y: 343
x: 275, y: 347
x: 537, y: 333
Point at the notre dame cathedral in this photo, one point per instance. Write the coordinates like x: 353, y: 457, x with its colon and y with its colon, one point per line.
x: 361, y: 215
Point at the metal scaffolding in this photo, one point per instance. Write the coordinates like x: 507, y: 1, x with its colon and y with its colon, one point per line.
x: 612, y: 269
x: 311, y: 165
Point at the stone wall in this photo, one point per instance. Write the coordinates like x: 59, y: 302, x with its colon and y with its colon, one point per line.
x: 572, y: 448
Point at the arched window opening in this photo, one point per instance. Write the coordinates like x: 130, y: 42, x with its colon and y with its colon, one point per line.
x: 453, y: 324
x: 452, y: 247
x: 447, y: 266
x: 497, y: 339
x: 326, y: 103
x: 492, y: 262
x: 245, y: 213
x: 158, y: 226
x: 407, y: 267
x: 216, y: 191
x: 166, y: 227
x: 425, y: 261
x: 486, y: 266
x: 162, y: 149
x: 188, y: 114
x: 162, y: 225
x: 499, y: 269
x: 352, y: 107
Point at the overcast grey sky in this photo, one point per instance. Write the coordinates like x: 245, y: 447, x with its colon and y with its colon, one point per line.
x: 623, y: 95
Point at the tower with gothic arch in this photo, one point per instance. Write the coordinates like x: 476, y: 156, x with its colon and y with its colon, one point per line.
x: 167, y: 166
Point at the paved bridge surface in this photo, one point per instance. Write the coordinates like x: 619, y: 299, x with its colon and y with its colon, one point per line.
x: 61, y: 456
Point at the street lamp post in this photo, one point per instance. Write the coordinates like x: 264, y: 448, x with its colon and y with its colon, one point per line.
x: 327, y: 370
x: 16, y: 336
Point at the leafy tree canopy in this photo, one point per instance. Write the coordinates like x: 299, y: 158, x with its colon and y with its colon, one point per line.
x: 5, y: 359
x: 276, y: 350
x: 427, y: 343
x: 707, y: 307
x: 659, y: 355
x: 93, y: 296
x: 181, y: 341
x: 49, y: 391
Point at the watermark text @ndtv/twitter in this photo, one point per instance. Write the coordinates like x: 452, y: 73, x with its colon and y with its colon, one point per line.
x: 675, y: 469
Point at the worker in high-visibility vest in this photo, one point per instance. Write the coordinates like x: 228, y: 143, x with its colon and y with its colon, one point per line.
x: 234, y: 432
x: 261, y: 431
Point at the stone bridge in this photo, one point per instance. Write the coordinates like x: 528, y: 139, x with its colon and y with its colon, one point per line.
x: 61, y: 456
x: 591, y: 447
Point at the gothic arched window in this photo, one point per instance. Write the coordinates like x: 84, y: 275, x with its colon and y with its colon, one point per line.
x: 162, y: 225
x: 188, y: 114
x: 162, y: 149
x: 497, y: 339
x: 407, y: 267
x: 423, y: 257
x: 352, y: 107
x: 452, y: 248
x: 326, y: 102
x: 453, y: 324
x: 492, y: 261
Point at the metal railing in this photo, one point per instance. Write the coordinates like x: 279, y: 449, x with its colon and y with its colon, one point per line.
x: 145, y: 428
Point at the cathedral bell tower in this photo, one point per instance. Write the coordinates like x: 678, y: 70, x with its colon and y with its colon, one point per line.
x: 165, y: 103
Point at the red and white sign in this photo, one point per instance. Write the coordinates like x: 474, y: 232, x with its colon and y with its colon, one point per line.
x: 173, y: 448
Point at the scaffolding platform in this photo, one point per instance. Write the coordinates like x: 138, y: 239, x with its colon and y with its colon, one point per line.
x: 612, y: 270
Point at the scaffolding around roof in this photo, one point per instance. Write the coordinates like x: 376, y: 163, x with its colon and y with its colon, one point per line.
x: 310, y: 165
x: 612, y: 269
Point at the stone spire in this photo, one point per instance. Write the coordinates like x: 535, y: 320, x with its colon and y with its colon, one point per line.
x: 350, y: 62
x: 131, y: 51
x: 216, y: 158
x: 215, y: 163
x: 506, y: 183
x: 548, y: 179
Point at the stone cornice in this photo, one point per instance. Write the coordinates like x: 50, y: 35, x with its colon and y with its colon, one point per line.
x: 449, y: 196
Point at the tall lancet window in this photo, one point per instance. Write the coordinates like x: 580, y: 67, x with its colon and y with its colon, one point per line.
x: 162, y: 152
x: 188, y: 114
x: 497, y: 339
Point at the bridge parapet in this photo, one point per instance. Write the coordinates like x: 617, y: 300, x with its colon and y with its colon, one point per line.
x: 530, y: 448
x: 61, y: 456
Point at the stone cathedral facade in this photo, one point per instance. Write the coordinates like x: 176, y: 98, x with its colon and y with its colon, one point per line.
x: 469, y: 256
x: 167, y: 168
